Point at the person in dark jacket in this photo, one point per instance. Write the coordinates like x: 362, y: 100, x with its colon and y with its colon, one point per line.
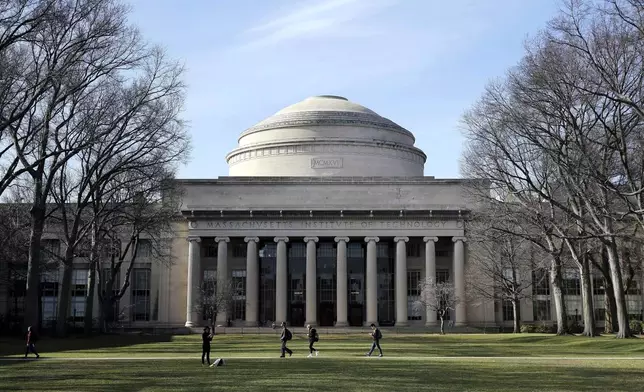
x: 285, y: 337
x: 206, y: 338
x: 31, y: 343
x: 376, y: 335
x: 313, y: 337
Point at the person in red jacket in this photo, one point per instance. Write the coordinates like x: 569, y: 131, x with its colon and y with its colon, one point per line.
x: 31, y: 343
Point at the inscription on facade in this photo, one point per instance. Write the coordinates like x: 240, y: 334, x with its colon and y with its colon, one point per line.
x: 334, y: 225
x: 326, y: 163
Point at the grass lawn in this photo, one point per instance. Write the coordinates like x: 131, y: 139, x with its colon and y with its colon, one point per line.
x: 411, y: 363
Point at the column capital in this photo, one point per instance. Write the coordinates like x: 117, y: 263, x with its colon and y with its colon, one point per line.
x: 194, y: 238
x: 338, y: 239
x: 433, y: 239
x: 220, y: 239
x: 369, y: 239
x: 314, y: 239
x: 397, y: 239
x: 457, y: 238
x: 248, y: 239
x: 280, y: 239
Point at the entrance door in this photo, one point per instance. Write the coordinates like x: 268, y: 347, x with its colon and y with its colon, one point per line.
x: 297, y: 315
x: 326, y: 314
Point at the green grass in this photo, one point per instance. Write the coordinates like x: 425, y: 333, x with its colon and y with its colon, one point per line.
x: 411, y: 363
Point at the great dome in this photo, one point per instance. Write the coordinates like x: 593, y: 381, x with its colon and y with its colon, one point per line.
x: 326, y: 135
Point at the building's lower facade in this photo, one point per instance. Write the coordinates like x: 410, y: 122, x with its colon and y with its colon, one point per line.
x: 327, y: 219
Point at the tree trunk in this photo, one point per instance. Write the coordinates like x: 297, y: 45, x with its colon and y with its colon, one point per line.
x: 618, y: 288
x: 91, y: 284
x: 442, y: 325
x: 32, y: 297
x: 64, y: 293
x: 557, y: 294
x: 587, y: 298
x: 516, y: 309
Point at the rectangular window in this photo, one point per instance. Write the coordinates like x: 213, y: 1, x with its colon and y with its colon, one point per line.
x: 145, y: 248
x: 540, y: 282
x: 140, y: 294
x: 111, y: 248
x: 508, y: 312
x: 442, y: 253
x: 571, y: 282
x: 49, y: 294
x: 79, y: 291
x: 51, y: 248
x: 600, y: 314
x: 599, y: 288
x: 413, y: 294
x: 442, y: 275
x: 541, y: 310
x: 239, y: 295
x: 413, y: 249
x: 239, y: 250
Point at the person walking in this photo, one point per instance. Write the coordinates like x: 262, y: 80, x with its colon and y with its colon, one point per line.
x: 313, y: 337
x: 206, y: 338
x: 31, y: 342
x: 285, y: 337
x: 376, y: 335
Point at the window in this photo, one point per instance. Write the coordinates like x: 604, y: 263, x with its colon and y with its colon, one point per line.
x: 267, y: 254
x: 210, y: 250
x: 540, y: 283
x: 239, y: 250
x: 600, y: 314
x: 145, y: 248
x: 541, y: 310
x: 111, y: 248
x: 49, y: 294
x: 296, y: 283
x: 239, y: 295
x: 413, y: 295
x: 413, y: 249
x: 140, y: 294
x: 442, y: 253
x: 599, y: 288
x: 386, y: 293
x: 79, y: 291
x: 442, y: 275
x: 51, y: 248
x: 508, y: 311
x: 571, y: 282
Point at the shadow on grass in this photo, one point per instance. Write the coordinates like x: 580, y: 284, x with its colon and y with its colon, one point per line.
x: 97, y: 343
x: 326, y: 375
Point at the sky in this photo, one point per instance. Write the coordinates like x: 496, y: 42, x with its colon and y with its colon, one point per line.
x: 420, y: 63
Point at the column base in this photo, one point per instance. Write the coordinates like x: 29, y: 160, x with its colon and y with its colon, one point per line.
x: 341, y: 324
x: 190, y: 324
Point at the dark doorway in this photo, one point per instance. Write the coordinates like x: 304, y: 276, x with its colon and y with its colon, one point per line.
x: 326, y: 314
x: 386, y: 292
x: 326, y: 283
x: 297, y: 315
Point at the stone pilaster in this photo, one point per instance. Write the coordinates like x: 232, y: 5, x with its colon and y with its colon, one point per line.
x: 281, y: 281
x: 194, y: 268
x: 430, y: 274
x: 311, y: 280
x: 401, y: 281
x: 372, y: 280
x: 252, y: 281
x: 342, y: 282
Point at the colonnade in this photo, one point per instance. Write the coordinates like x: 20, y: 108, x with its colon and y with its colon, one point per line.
x: 281, y: 279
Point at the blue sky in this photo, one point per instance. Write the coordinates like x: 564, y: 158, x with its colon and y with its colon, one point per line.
x: 421, y: 63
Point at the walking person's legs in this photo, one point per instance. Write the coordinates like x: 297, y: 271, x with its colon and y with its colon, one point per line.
x: 373, y: 347
x: 378, y: 345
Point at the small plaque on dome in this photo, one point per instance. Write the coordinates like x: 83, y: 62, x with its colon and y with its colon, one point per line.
x: 326, y: 163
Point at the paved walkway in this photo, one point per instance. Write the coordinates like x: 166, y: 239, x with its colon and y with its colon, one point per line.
x: 423, y: 358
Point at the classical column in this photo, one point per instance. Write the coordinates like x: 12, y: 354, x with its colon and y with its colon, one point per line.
x: 430, y: 274
x: 194, y: 280
x: 372, y: 281
x: 223, y: 276
x: 341, y: 278
x: 281, y: 280
x: 252, y: 281
x: 311, y: 280
x: 401, y: 281
x: 459, y: 280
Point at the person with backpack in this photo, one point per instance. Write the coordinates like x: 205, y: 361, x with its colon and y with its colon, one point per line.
x: 285, y: 337
x: 31, y: 342
x: 313, y: 337
x: 376, y: 335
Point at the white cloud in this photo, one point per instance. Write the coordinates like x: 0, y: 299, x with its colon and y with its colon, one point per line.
x: 329, y: 17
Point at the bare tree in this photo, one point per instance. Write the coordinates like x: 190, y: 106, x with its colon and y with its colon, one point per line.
x: 215, y: 298
x: 502, y: 264
x: 439, y: 297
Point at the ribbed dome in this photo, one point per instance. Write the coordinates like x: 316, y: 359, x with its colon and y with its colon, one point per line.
x: 326, y: 135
